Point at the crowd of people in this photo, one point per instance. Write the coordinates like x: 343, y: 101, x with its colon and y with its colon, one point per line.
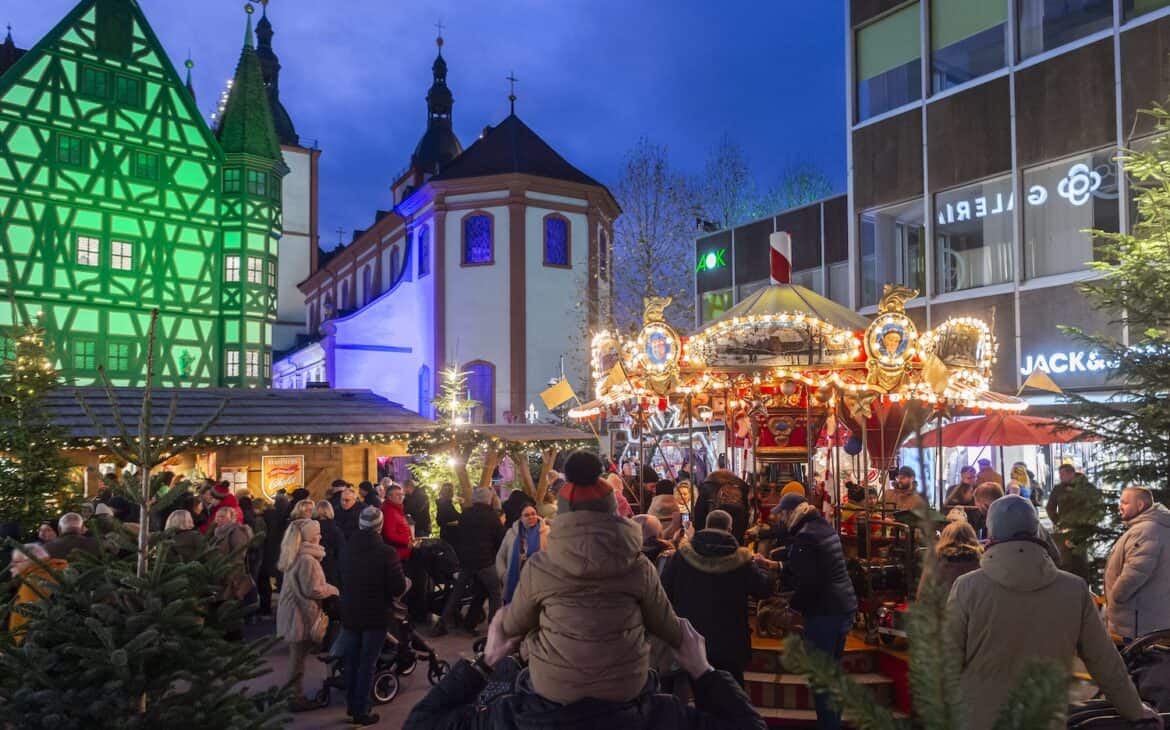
x: 625, y: 615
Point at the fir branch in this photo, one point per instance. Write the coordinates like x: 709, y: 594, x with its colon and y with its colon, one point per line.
x: 1039, y: 699
x: 826, y: 675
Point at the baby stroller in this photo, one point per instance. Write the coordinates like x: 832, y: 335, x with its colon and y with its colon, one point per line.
x: 435, y: 561
x: 399, y: 656
x: 1148, y: 662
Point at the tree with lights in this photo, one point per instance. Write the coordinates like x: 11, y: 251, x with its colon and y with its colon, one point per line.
x: 452, y: 456
x: 35, y: 480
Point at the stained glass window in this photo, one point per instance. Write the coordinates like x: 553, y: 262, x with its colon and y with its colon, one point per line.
x: 477, y: 239
x: 424, y: 251
x: 88, y: 251
x: 122, y: 255
x: 556, y: 241
x: 481, y: 387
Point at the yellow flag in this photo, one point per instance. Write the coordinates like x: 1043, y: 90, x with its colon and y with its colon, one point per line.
x: 936, y: 375
x: 558, y: 394
x: 1041, y: 380
x: 615, y: 377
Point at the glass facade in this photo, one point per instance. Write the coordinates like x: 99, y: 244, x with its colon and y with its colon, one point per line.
x: 1065, y: 199
x: 715, y: 303
x: 968, y: 39
x: 839, y: 282
x: 1048, y: 24
x: 973, y: 235
x: 893, y: 249
x: 889, y: 64
x: 1133, y: 8
x: 813, y: 279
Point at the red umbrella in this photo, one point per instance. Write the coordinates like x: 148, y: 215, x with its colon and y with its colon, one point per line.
x: 1000, y: 430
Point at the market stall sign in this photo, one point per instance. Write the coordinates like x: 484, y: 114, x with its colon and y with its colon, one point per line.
x: 282, y: 472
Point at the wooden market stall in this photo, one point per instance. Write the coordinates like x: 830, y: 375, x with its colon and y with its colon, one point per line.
x: 262, y: 439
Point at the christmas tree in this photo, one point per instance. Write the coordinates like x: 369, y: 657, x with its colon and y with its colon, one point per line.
x: 35, y: 480
x: 451, y: 455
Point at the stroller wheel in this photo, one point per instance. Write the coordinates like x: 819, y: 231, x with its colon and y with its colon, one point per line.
x: 322, y: 697
x: 385, y: 687
x: 406, y: 664
x: 437, y: 671
x: 478, y: 645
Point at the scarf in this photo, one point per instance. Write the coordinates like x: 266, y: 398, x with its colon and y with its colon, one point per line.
x: 312, y: 550
x: 527, y: 543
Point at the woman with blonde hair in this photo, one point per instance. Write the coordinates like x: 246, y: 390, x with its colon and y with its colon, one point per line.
x: 303, y: 510
x: 300, y: 619
x: 958, y: 552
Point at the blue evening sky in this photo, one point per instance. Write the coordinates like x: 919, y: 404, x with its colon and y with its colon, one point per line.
x: 594, y: 76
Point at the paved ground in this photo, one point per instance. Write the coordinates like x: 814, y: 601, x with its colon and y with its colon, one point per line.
x: 393, y: 715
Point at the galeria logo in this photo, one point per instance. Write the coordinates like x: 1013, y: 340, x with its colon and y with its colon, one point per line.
x: 1079, y: 185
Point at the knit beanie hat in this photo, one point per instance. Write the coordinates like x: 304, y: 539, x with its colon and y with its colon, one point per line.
x: 481, y: 495
x: 595, y: 497
x: 1012, y: 518
x: 371, y: 519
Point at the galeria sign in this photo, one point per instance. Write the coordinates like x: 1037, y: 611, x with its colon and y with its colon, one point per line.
x: 1059, y: 363
x: 1077, y: 187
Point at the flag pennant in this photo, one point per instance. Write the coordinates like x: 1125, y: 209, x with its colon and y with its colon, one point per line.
x: 936, y: 375
x: 615, y: 377
x: 1041, y: 380
x: 558, y: 394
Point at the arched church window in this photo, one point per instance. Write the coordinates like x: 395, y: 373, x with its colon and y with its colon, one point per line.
x: 556, y: 241
x: 423, y: 238
x: 343, y: 303
x: 481, y: 387
x: 426, y: 387
x: 477, y: 240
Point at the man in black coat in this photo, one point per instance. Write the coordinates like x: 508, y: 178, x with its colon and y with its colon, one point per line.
x: 480, y: 535
x: 709, y: 581
x: 348, y: 512
x: 453, y: 705
x: 72, y: 529
x: 824, y: 596
x: 373, y: 579
x: 417, y: 506
x: 275, y: 519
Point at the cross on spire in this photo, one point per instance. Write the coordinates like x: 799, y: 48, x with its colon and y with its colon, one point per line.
x: 439, y: 39
x: 511, y: 77
x: 340, y: 235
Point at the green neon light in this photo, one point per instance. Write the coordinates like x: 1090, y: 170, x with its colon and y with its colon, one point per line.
x: 716, y: 258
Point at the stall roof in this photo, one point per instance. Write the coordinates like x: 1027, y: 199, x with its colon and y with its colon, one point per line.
x: 250, y: 415
x: 528, y: 432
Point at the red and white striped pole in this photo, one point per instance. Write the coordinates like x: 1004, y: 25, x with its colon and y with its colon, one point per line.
x: 781, y: 264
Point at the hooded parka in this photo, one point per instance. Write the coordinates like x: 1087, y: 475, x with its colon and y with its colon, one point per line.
x: 1137, y: 576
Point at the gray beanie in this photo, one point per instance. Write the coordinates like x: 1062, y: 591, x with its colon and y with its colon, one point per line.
x: 1012, y: 518
x: 481, y: 495
x: 371, y: 519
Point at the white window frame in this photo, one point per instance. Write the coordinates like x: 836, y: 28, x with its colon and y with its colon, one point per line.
x: 122, y: 255
x: 89, y: 251
x: 231, y: 268
x: 255, y: 270
x: 251, y: 364
x: 272, y: 274
x: 232, y: 363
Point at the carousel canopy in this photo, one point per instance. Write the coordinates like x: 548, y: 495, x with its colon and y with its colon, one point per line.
x: 793, y: 299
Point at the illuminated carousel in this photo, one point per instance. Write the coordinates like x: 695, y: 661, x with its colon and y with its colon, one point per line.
x: 787, y: 370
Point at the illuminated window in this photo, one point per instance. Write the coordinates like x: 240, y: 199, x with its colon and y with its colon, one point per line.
x: 1045, y: 24
x: 145, y: 164
x: 128, y: 91
x: 715, y: 303
x: 889, y: 62
x: 423, y: 249
x: 556, y: 241
x: 119, y: 356
x: 231, y: 180
x: 272, y: 274
x: 255, y: 270
x: 94, y: 82
x: 973, y: 235
x: 232, y: 363
x: 70, y: 150
x: 481, y: 387
x: 1065, y: 200
x: 257, y: 182
x: 426, y: 386
x: 251, y: 364
x: 267, y: 364
x: 122, y: 255
x: 967, y: 39
x: 88, y: 251
x: 231, y: 271
x: 893, y: 249
x: 477, y: 240
x: 84, y: 354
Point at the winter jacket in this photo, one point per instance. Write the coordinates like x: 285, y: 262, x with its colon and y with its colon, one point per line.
x: 395, y: 530
x: 304, y: 588
x: 373, y: 578
x: 228, y: 501
x: 186, y: 545
x: 447, y: 518
x: 418, y: 505
x: 333, y: 541
x: 816, y: 570
x: 1019, y: 607
x: 720, y: 704
x: 504, y: 554
x: 903, y: 500
x: 1077, y: 510
x: 709, y: 581
x: 70, y: 541
x: 232, y: 540
x: 275, y: 520
x: 35, y: 584
x: 480, y: 534
x: 1137, y: 576
x: 585, y: 606
x: 955, y: 560
x: 348, y: 520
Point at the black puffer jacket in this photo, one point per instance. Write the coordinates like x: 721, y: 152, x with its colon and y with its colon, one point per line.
x: 480, y: 535
x: 417, y: 506
x: 348, y: 520
x: 720, y: 704
x: 333, y: 542
x: 816, y: 570
x: 373, y: 578
x: 708, y: 581
x: 447, y: 517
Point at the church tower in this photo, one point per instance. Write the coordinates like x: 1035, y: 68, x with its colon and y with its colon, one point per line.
x: 438, y: 145
x: 250, y: 212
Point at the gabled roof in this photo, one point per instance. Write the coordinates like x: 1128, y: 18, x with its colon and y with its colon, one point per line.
x: 337, y: 416
x: 512, y: 147
x: 9, y: 53
x: 246, y: 126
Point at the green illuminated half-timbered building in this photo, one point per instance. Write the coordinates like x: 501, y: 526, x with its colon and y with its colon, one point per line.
x: 116, y: 197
